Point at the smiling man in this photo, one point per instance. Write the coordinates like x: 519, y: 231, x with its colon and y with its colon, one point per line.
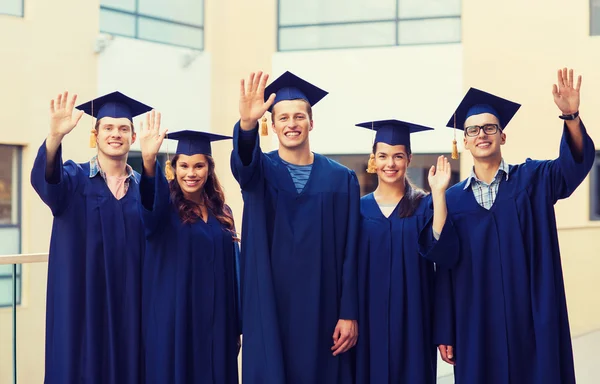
x: 299, y: 233
x: 501, y: 313
x: 93, y: 297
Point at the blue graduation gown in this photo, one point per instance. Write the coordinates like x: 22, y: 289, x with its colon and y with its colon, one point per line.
x: 189, y: 294
x: 503, y: 304
x: 396, y: 295
x: 298, y: 263
x: 94, y: 272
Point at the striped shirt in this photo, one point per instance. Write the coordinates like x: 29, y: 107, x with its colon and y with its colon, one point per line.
x: 485, y: 193
x: 299, y: 173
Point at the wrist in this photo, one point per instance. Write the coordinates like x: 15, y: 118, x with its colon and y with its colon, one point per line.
x: 569, y: 115
x: 248, y: 124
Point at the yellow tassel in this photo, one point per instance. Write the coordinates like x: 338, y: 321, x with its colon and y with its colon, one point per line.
x: 371, y: 168
x: 264, y: 130
x: 93, y: 139
x: 169, y: 171
x: 454, y: 150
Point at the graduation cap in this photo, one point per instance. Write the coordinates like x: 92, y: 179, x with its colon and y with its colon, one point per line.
x: 391, y: 132
x: 115, y: 105
x: 195, y: 142
x: 191, y: 143
x: 477, y: 102
x: 291, y: 87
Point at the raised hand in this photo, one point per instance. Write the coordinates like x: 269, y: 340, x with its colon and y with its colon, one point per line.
x: 62, y: 120
x: 439, y: 176
x: 252, y: 100
x: 566, y: 96
x: 151, y: 136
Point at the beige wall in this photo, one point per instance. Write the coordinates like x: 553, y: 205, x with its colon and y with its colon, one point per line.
x: 49, y: 50
x: 240, y: 37
x: 513, y: 48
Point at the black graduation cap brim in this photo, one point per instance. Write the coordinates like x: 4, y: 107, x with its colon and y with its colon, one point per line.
x: 291, y: 87
x: 114, y: 104
x: 195, y: 142
x: 393, y: 132
x: 504, y: 109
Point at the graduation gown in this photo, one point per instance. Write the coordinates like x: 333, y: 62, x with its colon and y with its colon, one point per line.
x: 503, y: 306
x: 189, y: 290
x: 298, y: 264
x: 94, y: 272
x: 396, y: 285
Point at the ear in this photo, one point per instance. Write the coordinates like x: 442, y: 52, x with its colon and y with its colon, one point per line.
x: 310, y: 128
x: 409, y: 159
x: 502, y: 138
x: 133, y: 137
x: 465, y: 142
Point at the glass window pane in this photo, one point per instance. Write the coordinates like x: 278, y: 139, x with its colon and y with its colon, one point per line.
x: 11, y: 7
x: 10, y: 241
x: 428, y: 8
x: 125, y: 5
x: 595, y: 18
x: 337, y: 36
x: 117, y: 23
x: 169, y: 33
x: 429, y: 31
x: 183, y: 11
x: 294, y: 12
x: 9, y: 203
x: 6, y: 291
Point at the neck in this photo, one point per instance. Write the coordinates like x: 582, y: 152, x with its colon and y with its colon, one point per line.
x: 297, y: 156
x: 197, y: 197
x: 113, y: 166
x: 485, y: 169
x: 387, y: 192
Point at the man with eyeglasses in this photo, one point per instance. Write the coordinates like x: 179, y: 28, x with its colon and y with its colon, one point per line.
x: 500, y: 312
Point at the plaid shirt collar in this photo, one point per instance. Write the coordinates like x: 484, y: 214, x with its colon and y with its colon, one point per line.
x: 503, y: 169
x: 96, y: 169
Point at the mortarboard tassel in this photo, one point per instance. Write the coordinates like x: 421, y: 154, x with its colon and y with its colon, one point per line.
x: 93, y: 139
x: 371, y: 168
x: 169, y: 174
x: 454, y: 146
x: 264, y: 130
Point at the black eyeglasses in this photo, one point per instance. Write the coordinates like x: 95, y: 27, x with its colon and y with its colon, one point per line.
x: 488, y: 129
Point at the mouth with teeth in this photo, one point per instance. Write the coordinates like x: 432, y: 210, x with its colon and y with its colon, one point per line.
x: 191, y: 183
x: 390, y: 172
x: 483, y: 144
x: 115, y: 144
x: 292, y: 134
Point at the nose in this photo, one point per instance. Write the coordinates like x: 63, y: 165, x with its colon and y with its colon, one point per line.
x: 390, y: 161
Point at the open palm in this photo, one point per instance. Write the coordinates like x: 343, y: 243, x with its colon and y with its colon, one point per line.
x: 151, y: 136
x: 62, y: 120
x: 439, y: 176
x: 566, y: 95
x: 252, y: 99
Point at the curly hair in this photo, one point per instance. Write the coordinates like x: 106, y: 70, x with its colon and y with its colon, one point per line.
x: 212, y: 195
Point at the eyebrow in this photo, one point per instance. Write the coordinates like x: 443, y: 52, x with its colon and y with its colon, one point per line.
x: 393, y: 154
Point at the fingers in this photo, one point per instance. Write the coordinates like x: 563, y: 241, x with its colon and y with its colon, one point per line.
x: 148, y: 120
x: 63, y: 101
x: 336, y: 334
x: 58, y: 101
x: 565, y: 80
x: 440, y: 164
x: 578, y: 83
x: 270, y: 101
x: 250, y: 82
x: 263, y: 84
x: 163, y: 133
x: 151, y: 125
x: 71, y: 104
x: 142, y: 126
x: 78, y: 117
x: 242, y: 88
x: 570, y: 78
x: 450, y: 350
x: 157, y: 123
x: 554, y: 90
x: 256, y: 82
x: 343, y: 348
x: 52, y: 106
x: 447, y: 165
x: 444, y: 354
x: 432, y: 171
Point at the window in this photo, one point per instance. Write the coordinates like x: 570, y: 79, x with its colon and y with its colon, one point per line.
x: 173, y: 22
x: 10, y: 220
x: 417, y: 172
x: 11, y: 7
x: 595, y: 189
x: 595, y: 17
x: 135, y: 160
x: 318, y: 24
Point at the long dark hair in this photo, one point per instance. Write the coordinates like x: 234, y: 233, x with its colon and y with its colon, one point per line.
x: 412, y: 195
x: 212, y: 196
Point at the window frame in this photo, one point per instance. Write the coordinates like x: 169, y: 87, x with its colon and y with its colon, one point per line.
x: 396, y: 20
x: 22, y: 13
x: 592, y: 18
x: 137, y: 15
x: 17, y: 269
